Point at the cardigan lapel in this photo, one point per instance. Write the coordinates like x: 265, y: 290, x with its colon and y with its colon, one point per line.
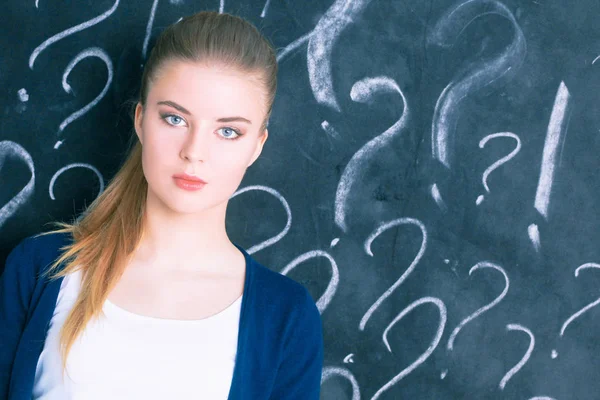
x: 32, y: 342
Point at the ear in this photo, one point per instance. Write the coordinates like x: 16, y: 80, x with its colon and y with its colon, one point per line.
x: 139, y: 113
x: 259, y: 146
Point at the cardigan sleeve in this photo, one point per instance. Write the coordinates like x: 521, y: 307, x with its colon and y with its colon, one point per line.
x: 299, y: 373
x: 16, y: 287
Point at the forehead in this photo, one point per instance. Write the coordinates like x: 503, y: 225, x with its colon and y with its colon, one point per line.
x: 209, y: 89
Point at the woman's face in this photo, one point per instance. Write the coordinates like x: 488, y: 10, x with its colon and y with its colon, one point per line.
x: 203, y: 121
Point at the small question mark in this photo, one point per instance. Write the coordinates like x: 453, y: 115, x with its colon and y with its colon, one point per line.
x: 584, y: 309
x: 498, y: 163
x: 91, y: 52
x: 481, y: 264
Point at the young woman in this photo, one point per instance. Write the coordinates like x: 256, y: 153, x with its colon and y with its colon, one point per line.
x: 145, y: 296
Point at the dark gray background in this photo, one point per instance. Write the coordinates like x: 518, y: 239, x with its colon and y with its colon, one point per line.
x: 489, y: 66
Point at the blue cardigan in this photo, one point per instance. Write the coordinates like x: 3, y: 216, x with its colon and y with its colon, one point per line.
x: 280, y: 340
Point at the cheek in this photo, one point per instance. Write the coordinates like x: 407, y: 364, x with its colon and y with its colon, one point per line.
x: 233, y: 156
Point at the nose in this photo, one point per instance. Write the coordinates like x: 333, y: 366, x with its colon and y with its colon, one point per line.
x: 196, y: 146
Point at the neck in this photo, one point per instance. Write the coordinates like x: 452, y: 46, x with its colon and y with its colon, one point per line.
x: 194, y: 242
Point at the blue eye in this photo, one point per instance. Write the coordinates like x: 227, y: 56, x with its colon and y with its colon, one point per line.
x: 173, y: 119
x: 229, y: 133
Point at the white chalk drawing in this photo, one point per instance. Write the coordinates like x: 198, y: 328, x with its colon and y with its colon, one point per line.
x: 477, y: 76
x: 595, y: 59
x: 265, y: 8
x: 554, y: 136
x: 437, y: 197
x: 523, y: 361
x: 75, y: 165
x: 332, y: 372
x: 15, y: 150
x: 286, y: 206
x: 501, y: 161
x: 334, y: 281
x: 91, y: 52
x: 330, y: 130
x: 283, y: 53
x: 23, y: 95
x: 432, y: 346
x: 149, y: 29
x: 586, y: 308
x: 320, y: 45
x: 534, y: 235
x: 70, y: 31
x: 349, y: 359
x: 363, y: 91
x: 480, y: 311
x: 378, y: 231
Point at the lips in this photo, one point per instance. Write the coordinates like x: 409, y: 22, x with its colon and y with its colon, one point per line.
x: 189, y: 178
x: 188, y: 182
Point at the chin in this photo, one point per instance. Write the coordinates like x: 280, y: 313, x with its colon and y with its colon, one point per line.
x: 192, y: 205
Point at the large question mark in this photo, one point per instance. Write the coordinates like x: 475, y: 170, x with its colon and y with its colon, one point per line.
x: 501, y: 161
x: 480, y: 311
x: 326, y: 297
x: 91, y: 52
x: 329, y: 372
x: 9, y: 148
x: 363, y: 91
x: 524, y: 359
x: 584, y: 309
x: 432, y: 346
x: 70, y: 166
x: 476, y: 76
x: 70, y: 31
x: 384, y: 227
x: 283, y: 201
x: 320, y: 44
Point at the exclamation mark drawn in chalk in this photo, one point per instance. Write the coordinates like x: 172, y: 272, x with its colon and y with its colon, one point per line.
x: 557, y: 127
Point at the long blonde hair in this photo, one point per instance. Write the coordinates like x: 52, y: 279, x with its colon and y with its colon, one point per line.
x: 110, y: 229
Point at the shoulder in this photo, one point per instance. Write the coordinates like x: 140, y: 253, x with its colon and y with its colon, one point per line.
x: 285, y: 300
x: 286, y: 291
x: 38, y: 251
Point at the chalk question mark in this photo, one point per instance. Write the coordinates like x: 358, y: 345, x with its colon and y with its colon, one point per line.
x: 364, y: 91
x: 15, y: 150
x: 477, y: 75
x: 78, y: 28
x: 91, y: 52
x: 320, y: 46
x: 284, y: 203
x: 584, y: 309
x: 498, y: 163
x: 480, y: 265
x: 472, y: 78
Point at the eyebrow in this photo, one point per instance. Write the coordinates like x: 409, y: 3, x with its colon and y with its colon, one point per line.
x: 185, y: 111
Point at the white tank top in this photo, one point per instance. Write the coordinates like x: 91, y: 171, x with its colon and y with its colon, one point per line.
x: 123, y: 355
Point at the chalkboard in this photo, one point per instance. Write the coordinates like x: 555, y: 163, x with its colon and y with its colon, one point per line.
x: 431, y: 175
